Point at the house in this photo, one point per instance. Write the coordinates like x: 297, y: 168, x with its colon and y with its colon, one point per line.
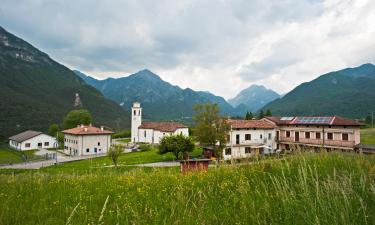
x: 86, y: 140
x: 250, y: 137
x: 30, y: 139
x: 152, y: 132
x: 329, y: 132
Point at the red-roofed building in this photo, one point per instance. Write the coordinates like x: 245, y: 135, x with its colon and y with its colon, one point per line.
x: 86, y: 140
x: 250, y: 137
x: 329, y: 132
x: 152, y: 132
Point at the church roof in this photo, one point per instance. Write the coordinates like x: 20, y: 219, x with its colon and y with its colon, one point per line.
x: 162, y: 126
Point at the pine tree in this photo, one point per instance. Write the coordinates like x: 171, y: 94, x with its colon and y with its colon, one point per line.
x: 261, y: 114
x: 249, y: 115
x: 268, y: 112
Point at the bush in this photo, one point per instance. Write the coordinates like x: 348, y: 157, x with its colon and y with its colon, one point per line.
x: 144, y: 147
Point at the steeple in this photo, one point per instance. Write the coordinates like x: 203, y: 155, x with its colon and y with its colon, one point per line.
x: 136, y: 112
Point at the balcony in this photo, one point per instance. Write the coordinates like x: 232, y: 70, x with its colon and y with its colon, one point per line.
x: 327, y: 143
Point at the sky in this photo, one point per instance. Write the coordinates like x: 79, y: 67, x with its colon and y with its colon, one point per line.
x: 220, y: 46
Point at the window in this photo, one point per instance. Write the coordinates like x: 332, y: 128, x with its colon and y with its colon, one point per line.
x: 247, y: 150
x: 98, y: 143
x: 247, y: 137
x: 100, y: 149
x: 87, y: 150
x: 345, y: 137
x: 46, y: 143
x: 40, y: 144
x: 228, y: 138
x: 228, y: 151
x: 330, y: 136
x: 269, y: 136
x: 288, y: 134
x: 237, y: 139
x: 144, y: 133
x: 261, y: 136
x: 27, y: 145
x: 317, y: 135
x: 307, y: 135
x: 135, y: 112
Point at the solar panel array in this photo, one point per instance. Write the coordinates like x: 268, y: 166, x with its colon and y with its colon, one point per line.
x: 287, y: 118
x: 313, y: 120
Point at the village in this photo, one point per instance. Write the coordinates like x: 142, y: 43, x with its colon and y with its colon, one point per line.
x: 268, y: 136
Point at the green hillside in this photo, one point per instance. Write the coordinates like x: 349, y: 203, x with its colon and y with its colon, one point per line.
x: 349, y: 92
x: 36, y: 91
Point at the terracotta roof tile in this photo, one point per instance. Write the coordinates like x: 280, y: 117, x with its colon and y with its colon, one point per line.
x: 162, y: 126
x: 242, y: 124
x: 86, y: 130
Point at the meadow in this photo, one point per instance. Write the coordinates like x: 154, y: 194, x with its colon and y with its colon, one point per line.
x: 368, y: 136
x: 324, y: 188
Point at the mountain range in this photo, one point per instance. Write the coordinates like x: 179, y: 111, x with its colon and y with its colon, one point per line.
x: 160, y: 99
x: 349, y: 92
x: 36, y: 91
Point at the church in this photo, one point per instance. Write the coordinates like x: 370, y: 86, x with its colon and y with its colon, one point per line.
x: 152, y: 132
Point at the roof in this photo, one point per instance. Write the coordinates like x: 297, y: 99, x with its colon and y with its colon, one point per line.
x: 313, y: 120
x: 244, y: 124
x: 86, y: 130
x: 25, y: 135
x: 162, y: 126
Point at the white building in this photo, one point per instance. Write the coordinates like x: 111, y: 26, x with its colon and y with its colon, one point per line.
x: 30, y: 139
x: 152, y: 132
x: 86, y: 140
x: 250, y: 137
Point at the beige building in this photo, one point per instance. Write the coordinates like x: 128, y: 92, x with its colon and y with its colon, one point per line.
x: 86, y: 140
x: 329, y: 132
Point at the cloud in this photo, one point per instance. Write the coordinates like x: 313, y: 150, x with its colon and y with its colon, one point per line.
x: 216, y: 45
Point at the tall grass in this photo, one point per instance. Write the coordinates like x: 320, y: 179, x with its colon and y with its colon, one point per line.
x: 303, y: 189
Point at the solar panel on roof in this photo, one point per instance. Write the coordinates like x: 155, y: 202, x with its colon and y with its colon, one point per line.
x: 313, y: 120
x: 287, y: 118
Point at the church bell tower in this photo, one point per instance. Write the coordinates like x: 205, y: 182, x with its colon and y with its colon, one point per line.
x: 136, y: 120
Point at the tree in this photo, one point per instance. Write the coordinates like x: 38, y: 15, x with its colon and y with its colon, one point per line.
x: 114, y: 152
x: 210, y: 128
x: 261, y: 114
x: 368, y: 120
x: 268, y: 112
x: 77, y: 117
x: 179, y: 145
x: 53, y: 129
x: 249, y: 116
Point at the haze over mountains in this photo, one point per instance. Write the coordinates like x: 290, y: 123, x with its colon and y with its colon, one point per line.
x: 36, y: 91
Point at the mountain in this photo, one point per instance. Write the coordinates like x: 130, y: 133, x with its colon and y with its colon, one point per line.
x: 349, y: 92
x: 253, y: 98
x: 160, y: 99
x: 36, y: 91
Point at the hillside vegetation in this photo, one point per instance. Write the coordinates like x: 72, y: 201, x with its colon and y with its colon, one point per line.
x: 348, y: 92
x: 36, y: 91
x: 300, y: 189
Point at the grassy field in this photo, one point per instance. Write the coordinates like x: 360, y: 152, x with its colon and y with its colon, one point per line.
x: 10, y: 156
x: 368, y: 136
x: 324, y: 188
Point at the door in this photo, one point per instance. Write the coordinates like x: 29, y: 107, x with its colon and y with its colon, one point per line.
x: 296, y: 136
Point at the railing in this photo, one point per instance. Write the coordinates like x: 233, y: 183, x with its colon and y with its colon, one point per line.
x: 340, y: 143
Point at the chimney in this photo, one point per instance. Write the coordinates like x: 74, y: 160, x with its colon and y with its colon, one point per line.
x: 82, y: 126
x: 102, y: 128
x: 90, y: 124
x: 86, y: 129
x: 78, y: 126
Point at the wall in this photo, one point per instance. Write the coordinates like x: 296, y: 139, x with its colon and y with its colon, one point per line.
x: 238, y: 150
x: 41, y: 138
x: 79, y: 144
x: 154, y: 136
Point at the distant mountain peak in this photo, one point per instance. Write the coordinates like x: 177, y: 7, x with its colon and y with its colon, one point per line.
x: 146, y: 74
x: 254, y: 97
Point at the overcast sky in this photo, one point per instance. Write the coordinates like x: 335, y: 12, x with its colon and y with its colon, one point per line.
x: 220, y: 46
